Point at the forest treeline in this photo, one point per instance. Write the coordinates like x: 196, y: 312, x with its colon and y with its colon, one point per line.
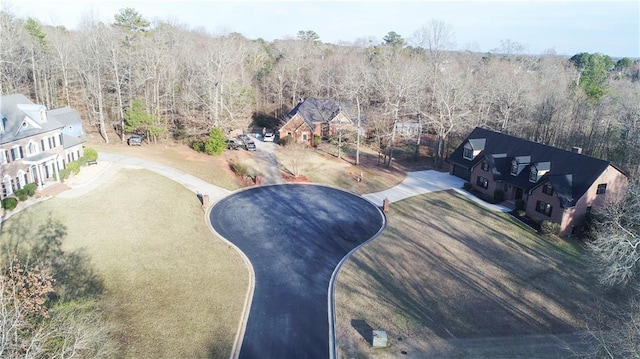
x: 191, y: 81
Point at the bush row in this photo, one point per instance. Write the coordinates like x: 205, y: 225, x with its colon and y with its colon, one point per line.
x: 22, y: 194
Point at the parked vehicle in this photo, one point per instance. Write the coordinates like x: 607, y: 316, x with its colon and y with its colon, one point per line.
x: 134, y: 140
x: 269, y: 137
x: 248, y: 143
x: 250, y: 146
x: 232, y: 144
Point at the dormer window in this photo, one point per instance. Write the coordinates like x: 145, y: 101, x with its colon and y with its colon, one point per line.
x: 467, y: 153
x: 533, y: 175
x: 514, y: 168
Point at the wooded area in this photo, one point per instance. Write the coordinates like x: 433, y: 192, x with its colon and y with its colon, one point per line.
x: 191, y: 81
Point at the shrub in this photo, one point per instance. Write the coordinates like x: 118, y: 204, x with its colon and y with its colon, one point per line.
x: 519, y: 204
x: 9, y: 203
x: 73, y: 167
x: 316, y: 140
x: 30, y: 188
x: 216, y: 143
x: 91, y: 154
x: 198, y: 145
x: 64, y: 174
x: 467, y: 186
x: 285, y: 141
x: 82, y: 161
x: 549, y: 228
x: 21, y: 194
x: 238, y: 168
x: 498, y: 195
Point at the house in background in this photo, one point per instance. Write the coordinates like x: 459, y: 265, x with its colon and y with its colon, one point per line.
x: 33, y: 147
x: 550, y: 183
x: 323, y: 117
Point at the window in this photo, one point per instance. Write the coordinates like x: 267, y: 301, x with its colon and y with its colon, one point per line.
x: 533, y: 175
x: 4, y: 159
x: 602, y: 188
x: 32, y: 149
x: 484, y: 165
x: 16, y: 153
x: 547, y: 189
x: 467, y: 153
x: 482, y: 182
x: 544, y: 208
x: 588, y: 210
x: 514, y: 168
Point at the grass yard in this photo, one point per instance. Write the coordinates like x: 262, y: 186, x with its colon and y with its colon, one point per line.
x: 173, y: 289
x: 450, y: 279
x: 213, y: 169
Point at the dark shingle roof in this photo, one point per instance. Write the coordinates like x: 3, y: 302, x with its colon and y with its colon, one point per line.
x: 315, y: 110
x: 571, y: 174
x: 322, y: 110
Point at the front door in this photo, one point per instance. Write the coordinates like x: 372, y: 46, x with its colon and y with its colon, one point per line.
x: 519, y: 193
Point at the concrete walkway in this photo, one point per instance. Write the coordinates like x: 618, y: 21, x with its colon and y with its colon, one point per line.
x: 111, y: 163
x: 422, y: 182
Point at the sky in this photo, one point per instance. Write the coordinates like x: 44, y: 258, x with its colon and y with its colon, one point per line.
x: 564, y: 27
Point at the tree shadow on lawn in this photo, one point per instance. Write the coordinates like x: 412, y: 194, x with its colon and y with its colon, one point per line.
x: 473, y: 280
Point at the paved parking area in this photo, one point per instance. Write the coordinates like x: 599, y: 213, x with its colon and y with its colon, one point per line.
x: 294, y: 235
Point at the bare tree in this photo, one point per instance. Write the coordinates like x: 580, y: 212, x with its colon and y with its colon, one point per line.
x: 435, y: 37
x: 615, y: 241
x: 293, y: 157
x: 91, y: 68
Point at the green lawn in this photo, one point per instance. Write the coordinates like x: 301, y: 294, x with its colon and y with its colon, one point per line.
x: 173, y: 289
x: 445, y: 269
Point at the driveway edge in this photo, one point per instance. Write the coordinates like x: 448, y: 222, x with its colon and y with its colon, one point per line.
x: 332, y: 283
x: 248, y: 299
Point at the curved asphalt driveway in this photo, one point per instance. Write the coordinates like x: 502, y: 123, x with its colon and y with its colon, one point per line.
x: 294, y: 235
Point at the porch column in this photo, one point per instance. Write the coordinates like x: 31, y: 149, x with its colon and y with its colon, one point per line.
x: 56, y: 170
x: 39, y: 176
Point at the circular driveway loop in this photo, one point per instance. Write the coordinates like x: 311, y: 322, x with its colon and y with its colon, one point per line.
x: 294, y: 235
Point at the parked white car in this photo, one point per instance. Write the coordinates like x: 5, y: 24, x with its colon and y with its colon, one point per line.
x: 269, y: 137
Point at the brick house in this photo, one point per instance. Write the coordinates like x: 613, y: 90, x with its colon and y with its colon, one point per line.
x: 323, y: 117
x: 33, y: 147
x: 551, y: 183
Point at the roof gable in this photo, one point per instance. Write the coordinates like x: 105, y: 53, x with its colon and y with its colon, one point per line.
x: 324, y: 110
x: 22, y: 118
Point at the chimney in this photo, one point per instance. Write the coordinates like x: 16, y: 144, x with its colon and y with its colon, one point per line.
x: 576, y: 149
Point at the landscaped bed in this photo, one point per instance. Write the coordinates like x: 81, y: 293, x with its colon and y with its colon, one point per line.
x: 450, y: 279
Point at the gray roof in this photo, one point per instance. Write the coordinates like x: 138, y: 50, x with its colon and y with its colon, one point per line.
x: 70, y: 141
x: 13, y: 110
x: 66, y: 116
x: 323, y: 110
